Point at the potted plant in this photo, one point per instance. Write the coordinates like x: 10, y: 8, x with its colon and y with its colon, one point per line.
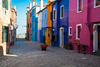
x: 84, y: 48
x: 70, y: 46
x: 66, y: 45
x: 78, y: 47
x: 43, y: 46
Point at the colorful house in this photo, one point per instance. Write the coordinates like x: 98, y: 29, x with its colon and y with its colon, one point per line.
x: 44, y: 23
x: 27, y: 24
x: 40, y: 21
x: 49, y: 22
x: 34, y: 32
x: 84, y: 24
x: 5, y: 9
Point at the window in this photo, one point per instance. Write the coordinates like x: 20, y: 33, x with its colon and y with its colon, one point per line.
x: 96, y: 3
x: 30, y: 14
x: 5, y: 3
x: 70, y: 30
x: 79, y: 5
x: 61, y: 12
x: 54, y: 15
x: 45, y: 16
x: 34, y: 12
x: 78, y: 30
x: 4, y: 34
x: 50, y: 15
x: 30, y: 24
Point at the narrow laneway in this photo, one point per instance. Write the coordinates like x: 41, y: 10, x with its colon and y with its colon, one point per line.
x: 28, y: 54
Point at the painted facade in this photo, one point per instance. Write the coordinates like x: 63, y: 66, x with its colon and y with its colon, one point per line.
x: 4, y: 30
x: 34, y: 32
x: 49, y: 22
x: 84, y: 23
x: 44, y: 23
x: 64, y: 20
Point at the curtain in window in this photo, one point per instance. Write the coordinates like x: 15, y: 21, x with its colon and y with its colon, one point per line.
x: 79, y: 30
x: 80, y: 5
x: 97, y: 2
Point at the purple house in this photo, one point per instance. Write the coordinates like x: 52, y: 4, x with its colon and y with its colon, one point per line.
x: 84, y: 24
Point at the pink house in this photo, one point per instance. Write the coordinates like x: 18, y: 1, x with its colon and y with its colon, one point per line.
x: 84, y: 24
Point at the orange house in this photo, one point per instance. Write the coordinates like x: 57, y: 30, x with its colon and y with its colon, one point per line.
x: 49, y: 22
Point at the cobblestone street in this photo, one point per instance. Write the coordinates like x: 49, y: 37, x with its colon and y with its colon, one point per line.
x: 29, y: 54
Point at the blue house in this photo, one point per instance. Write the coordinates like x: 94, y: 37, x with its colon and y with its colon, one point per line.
x: 60, y: 20
x: 34, y: 24
x: 44, y: 23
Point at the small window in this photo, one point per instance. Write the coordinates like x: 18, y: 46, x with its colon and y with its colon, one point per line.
x: 96, y: 3
x: 50, y: 15
x: 30, y: 24
x: 78, y: 30
x: 79, y: 5
x: 30, y: 14
x: 34, y: 12
x: 62, y: 12
x: 54, y: 15
x: 70, y: 30
x: 45, y: 16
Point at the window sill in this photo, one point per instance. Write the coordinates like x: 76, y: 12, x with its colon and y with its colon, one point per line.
x: 79, y: 11
x: 77, y: 38
x: 61, y: 17
x: 96, y: 6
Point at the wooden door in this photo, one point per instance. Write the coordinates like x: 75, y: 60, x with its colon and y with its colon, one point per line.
x: 98, y: 37
x: 61, y: 38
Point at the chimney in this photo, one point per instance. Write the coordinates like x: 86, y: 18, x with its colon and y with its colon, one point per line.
x: 15, y: 7
x: 41, y: 4
x: 27, y: 8
x: 34, y: 3
x: 30, y: 5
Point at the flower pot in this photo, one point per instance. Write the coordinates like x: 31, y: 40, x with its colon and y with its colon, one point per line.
x: 69, y: 37
x: 84, y: 48
x: 78, y: 48
x: 43, y: 47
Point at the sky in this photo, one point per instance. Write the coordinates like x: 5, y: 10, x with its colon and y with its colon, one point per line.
x: 21, y: 6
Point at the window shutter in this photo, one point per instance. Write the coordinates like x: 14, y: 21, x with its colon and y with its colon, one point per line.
x: 6, y: 4
x: 6, y: 34
x: 3, y: 3
x: 3, y: 34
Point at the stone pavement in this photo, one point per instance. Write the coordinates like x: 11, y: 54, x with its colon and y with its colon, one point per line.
x: 29, y: 54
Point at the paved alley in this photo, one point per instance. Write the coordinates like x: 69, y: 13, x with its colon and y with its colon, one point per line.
x: 29, y: 54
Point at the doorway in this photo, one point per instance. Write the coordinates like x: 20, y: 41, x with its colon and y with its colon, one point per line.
x: 62, y: 37
x: 99, y: 37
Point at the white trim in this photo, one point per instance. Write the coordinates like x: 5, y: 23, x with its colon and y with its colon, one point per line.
x: 60, y: 11
x: 63, y: 36
x: 69, y: 31
x: 95, y: 38
x: 78, y: 6
x: 77, y: 31
x: 95, y: 4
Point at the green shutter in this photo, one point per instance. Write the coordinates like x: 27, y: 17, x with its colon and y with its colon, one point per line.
x: 3, y: 3
x: 3, y: 34
x: 6, y: 34
x: 6, y: 4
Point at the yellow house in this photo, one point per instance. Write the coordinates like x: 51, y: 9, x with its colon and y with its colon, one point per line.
x: 49, y: 22
x: 27, y: 24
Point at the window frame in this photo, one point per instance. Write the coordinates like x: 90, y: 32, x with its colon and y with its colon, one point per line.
x: 78, y: 6
x: 60, y: 11
x: 77, y: 30
x: 95, y: 4
x: 69, y: 31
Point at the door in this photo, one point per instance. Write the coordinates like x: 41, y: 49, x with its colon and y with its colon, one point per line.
x: 61, y: 38
x: 98, y: 37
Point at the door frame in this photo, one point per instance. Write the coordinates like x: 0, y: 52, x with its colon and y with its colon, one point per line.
x: 63, y: 36
x: 95, y: 37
